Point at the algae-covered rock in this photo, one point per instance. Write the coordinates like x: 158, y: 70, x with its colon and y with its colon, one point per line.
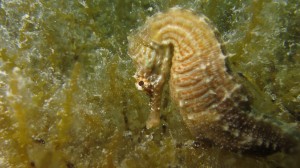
x: 67, y: 96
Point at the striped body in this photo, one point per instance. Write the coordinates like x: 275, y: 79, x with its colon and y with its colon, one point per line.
x: 183, y: 49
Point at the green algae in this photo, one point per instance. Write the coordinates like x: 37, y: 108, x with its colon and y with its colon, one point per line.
x: 67, y: 96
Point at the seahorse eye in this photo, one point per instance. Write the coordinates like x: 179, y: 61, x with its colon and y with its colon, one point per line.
x: 141, y: 83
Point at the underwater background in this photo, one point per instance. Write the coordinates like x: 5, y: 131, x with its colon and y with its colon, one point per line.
x: 68, y: 98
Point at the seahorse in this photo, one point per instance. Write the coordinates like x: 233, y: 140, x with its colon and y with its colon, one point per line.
x: 184, y: 49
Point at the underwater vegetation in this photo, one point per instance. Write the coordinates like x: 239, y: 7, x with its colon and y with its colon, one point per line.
x: 67, y: 95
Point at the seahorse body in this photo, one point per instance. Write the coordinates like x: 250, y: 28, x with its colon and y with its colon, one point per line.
x: 184, y: 49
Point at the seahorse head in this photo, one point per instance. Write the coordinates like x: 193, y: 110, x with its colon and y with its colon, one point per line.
x: 152, y: 60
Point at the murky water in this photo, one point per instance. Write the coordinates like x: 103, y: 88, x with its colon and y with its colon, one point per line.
x: 68, y: 99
